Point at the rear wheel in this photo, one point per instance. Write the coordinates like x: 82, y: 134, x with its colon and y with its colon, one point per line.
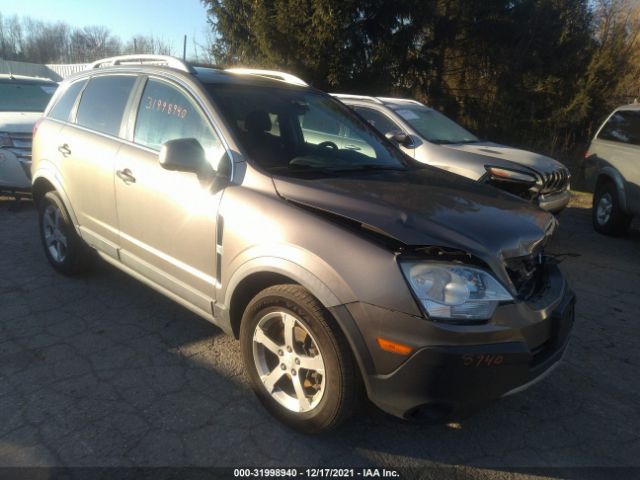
x: 64, y: 249
x: 607, y: 215
x: 298, y: 361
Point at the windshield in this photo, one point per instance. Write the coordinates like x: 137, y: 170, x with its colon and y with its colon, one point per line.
x: 25, y: 97
x: 288, y: 131
x: 435, y: 127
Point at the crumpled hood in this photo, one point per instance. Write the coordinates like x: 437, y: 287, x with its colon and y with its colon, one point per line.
x: 428, y: 207
x: 21, y: 122
x: 535, y: 161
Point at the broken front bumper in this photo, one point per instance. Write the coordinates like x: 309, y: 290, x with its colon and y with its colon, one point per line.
x: 454, y: 367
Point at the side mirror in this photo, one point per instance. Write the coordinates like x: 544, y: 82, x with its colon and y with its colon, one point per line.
x: 400, y: 138
x: 183, y: 155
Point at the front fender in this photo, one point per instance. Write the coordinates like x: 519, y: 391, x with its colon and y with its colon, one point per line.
x: 300, y: 266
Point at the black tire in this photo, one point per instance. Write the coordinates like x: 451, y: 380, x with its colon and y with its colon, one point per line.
x: 76, y: 256
x: 616, y: 222
x: 342, y: 387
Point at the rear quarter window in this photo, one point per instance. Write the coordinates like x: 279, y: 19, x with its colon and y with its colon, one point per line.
x: 622, y: 127
x: 103, y: 102
x: 63, y: 106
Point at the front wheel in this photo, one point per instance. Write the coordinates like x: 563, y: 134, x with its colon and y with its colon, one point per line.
x: 607, y: 215
x: 298, y: 362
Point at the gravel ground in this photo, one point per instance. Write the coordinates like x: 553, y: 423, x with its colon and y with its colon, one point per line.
x: 102, y: 371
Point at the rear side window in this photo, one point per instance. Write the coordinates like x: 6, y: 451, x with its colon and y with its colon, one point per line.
x: 63, y: 106
x: 166, y: 113
x: 623, y: 127
x: 103, y: 102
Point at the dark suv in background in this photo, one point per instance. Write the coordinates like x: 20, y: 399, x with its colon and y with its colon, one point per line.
x: 341, y: 272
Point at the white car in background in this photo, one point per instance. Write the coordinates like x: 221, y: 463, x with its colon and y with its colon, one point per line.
x: 22, y: 101
x: 428, y: 136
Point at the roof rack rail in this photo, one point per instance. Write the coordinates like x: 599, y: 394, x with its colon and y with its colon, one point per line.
x: 284, y: 76
x: 141, y: 59
x: 356, y: 97
x: 395, y: 99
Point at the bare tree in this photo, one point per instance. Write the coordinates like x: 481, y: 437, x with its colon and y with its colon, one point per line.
x: 45, y: 42
x: 10, y: 38
x: 148, y: 44
x: 91, y: 43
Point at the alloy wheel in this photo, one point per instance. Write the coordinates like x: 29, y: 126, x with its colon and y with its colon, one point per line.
x: 289, y: 361
x: 604, y: 208
x: 55, y: 240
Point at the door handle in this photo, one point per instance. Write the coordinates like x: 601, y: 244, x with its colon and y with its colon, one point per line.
x: 64, y: 150
x: 126, y: 176
x: 352, y: 147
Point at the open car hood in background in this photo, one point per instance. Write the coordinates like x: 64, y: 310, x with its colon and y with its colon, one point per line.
x: 502, y: 153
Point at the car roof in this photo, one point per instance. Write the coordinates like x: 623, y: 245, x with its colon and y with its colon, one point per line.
x: 631, y: 106
x: 10, y: 78
x: 391, y: 102
x: 209, y: 75
x: 205, y: 74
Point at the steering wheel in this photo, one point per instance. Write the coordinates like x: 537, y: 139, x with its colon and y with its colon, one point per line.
x: 328, y: 144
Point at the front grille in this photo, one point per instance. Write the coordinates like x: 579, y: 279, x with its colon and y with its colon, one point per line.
x: 21, y: 145
x: 527, y: 274
x: 555, y: 181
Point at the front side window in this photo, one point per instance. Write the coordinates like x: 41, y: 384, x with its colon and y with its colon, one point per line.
x: 434, y: 126
x: 16, y: 96
x: 378, y: 120
x: 63, y: 106
x: 308, y: 124
x: 103, y: 102
x: 623, y: 127
x: 167, y: 113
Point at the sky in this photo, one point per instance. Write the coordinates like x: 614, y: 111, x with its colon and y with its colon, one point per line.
x: 168, y: 20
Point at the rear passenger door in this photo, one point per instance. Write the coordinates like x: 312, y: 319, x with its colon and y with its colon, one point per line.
x: 88, y: 148
x: 168, y: 218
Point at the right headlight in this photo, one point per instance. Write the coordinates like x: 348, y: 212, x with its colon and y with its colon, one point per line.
x: 455, y: 293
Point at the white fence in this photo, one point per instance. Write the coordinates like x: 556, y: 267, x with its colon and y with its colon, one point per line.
x: 52, y: 71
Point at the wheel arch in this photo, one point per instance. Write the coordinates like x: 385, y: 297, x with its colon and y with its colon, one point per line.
x: 45, y: 181
x: 609, y: 174
x: 260, y: 273
x: 265, y: 272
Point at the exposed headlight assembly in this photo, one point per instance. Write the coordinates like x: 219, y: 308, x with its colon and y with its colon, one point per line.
x: 454, y: 293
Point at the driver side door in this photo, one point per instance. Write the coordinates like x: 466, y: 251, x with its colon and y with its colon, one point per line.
x: 167, y: 219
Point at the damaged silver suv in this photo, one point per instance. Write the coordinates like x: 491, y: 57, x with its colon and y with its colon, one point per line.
x: 343, y: 273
